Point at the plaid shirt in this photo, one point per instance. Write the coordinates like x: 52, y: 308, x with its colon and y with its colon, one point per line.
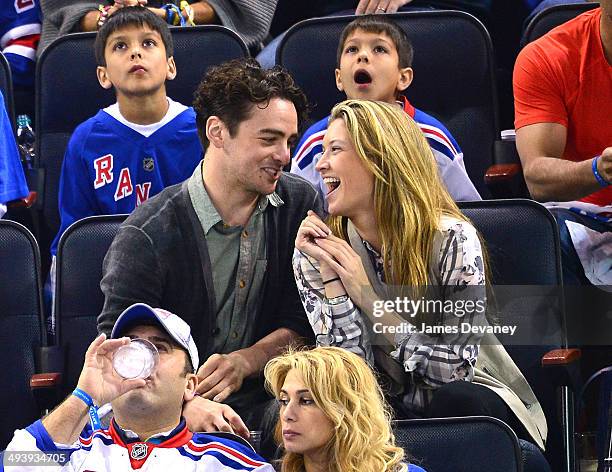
x: 430, y: 360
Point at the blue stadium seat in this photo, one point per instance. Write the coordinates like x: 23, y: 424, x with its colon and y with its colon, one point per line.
x: 552, y: 17
x: 21, y: 332
x: 522, y: 241
x: 468, y: 444
x: 78, y: 298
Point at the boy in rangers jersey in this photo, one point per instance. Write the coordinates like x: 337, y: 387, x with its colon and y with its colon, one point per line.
x: 374, y: 63
x: 147, y: 431
x: 145, y: 142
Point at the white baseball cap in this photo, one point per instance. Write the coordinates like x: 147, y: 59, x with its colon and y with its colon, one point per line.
x: 172, y: 324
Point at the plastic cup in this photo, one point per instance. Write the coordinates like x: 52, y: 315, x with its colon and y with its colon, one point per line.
x: 136, y: 360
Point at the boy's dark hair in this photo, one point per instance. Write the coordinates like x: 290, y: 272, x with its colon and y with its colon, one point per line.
x: 132, y: 16
x: 230, y: 90
x: 379, y: 24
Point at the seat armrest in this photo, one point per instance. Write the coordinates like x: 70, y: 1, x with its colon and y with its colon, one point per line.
x: 562, y: 367
x: 47, y: 385
x: 502, y: 172
x: 27, y: 202
x: 561, y: 357
x: 505, y: 178
x: 46, y: 380
x: 46, y: 389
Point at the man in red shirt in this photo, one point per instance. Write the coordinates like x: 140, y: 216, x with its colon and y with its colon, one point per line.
x: 563, y: 121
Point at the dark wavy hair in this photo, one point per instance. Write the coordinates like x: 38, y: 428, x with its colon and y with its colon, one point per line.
x: 132, y: 16
x: 379, y: 24
x: 231, y: 90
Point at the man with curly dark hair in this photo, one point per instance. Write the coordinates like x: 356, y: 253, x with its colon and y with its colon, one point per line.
x: 217, y: 248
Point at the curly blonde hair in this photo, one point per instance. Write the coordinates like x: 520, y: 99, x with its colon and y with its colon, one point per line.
x: 345, y: 388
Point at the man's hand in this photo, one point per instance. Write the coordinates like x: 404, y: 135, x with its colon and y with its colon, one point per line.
x: 206, y: 415
x: 379, y: 6
x: 221, y: 375
x: 98, y: 378
x: 604, y: 164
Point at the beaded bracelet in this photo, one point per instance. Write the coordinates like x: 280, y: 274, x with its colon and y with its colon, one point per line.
x: 600, y: 180
x: 103, y: 15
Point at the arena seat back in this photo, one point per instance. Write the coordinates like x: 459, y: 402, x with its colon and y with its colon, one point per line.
x: 6, y: 87
x: 467, y: 444
x: 453, y: 75
x: 78, y: 298
x: 552, y: 17
x: 21, y: 322
x: 522, y: 242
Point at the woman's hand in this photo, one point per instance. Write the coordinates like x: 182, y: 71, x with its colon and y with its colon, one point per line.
x: 311, y: 229
x: 130, y: 3
x: 379, y: 6
x: 345, y: 262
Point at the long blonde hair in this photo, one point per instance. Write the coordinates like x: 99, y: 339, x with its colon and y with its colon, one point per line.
x: 344, y: 387
x: 409, y: 196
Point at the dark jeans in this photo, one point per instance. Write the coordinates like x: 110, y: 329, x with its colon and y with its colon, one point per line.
x: 468, y: 399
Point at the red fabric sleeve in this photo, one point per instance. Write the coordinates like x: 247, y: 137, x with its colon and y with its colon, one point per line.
x: 538, y: 87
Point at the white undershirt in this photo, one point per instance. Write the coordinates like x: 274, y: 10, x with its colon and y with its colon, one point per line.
x: 174, y: 109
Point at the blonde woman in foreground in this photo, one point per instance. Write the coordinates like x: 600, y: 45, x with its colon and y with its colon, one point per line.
x: 394, y: 233
x: 333, y: 417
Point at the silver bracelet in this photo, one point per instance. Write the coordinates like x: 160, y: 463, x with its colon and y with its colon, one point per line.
x: 337, y: 300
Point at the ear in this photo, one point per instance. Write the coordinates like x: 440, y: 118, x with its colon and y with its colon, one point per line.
x: 339, y: 81
x: 405, y: 78
x: 171, y: 74
x: 103, y: 77
x: 214, y: 131
x: 190, y: 387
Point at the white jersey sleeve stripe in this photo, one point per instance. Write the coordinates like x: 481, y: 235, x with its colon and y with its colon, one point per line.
x: 438, y: 135
x: 315, y: 139
x: 20, y: 32
x: 20, y: 50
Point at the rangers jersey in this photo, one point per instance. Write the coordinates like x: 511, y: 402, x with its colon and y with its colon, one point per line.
x: 20, y: 27
x: 114, y: 450
x: 111, y: 167
x: 444, y: 147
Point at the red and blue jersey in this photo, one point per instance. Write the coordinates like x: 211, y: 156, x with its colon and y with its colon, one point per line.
x: 113, y: 449
x: 20, y: 28
x: 110, y: 168
x: 445, y: 149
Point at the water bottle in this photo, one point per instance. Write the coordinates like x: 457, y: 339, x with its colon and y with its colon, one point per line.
x: 25, y: 141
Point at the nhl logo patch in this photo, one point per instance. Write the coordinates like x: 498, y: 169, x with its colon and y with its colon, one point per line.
x: 139, y: 451
x: 148, y: 164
